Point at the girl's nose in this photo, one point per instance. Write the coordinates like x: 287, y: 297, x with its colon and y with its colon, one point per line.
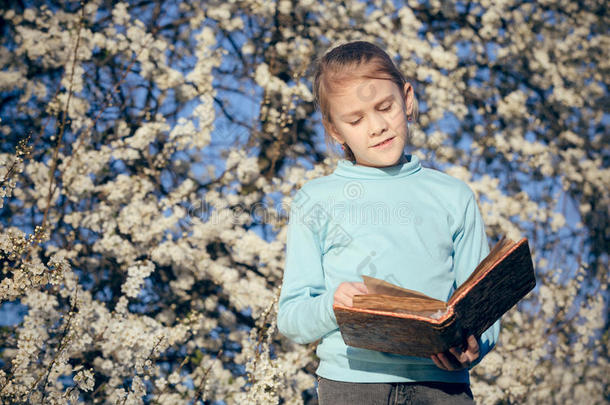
x: 377, y: 124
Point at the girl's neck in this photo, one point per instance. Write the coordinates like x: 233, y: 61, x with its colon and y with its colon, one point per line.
x: 410, y: 165
x: 403, y: 159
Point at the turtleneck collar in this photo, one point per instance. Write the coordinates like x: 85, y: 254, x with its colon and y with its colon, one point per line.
x: 345, y: 168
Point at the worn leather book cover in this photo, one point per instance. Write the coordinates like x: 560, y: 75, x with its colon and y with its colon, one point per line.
x: 397, y: 320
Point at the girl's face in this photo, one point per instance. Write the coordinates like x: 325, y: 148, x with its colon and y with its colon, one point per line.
x: 370, y: 115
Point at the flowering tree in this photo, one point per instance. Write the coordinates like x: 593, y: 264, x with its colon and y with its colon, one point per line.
x: 150, y: 151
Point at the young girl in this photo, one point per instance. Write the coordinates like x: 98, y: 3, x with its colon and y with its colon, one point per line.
x: 381, y: 214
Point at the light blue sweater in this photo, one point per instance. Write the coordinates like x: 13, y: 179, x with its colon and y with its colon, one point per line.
x: 412, y: 226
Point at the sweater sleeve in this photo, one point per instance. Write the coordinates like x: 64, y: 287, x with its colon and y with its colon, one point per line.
x: 470, y: 247
x: 305, y: 311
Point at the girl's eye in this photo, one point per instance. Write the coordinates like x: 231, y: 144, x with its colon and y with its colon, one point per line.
x: 388, y: 108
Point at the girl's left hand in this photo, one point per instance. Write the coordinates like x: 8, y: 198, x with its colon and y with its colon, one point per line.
x: 457, y: 359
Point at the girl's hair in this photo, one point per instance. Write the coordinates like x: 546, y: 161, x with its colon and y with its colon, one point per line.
x: 349, y: 61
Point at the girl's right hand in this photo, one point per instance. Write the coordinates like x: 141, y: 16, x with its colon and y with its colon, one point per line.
x: 345, y: 292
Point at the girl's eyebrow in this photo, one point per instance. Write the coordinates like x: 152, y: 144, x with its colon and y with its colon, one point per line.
x: 388, y: 98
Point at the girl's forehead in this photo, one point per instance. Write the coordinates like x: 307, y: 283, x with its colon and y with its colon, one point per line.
x: 358, y: 95
x: 364, y: 88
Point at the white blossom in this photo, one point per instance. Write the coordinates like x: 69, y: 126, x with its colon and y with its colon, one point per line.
x: 154, y: 276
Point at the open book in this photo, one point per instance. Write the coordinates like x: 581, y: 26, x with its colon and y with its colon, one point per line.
x: 397, y: 320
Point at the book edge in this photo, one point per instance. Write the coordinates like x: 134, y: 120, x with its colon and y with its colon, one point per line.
x: 449, y: 314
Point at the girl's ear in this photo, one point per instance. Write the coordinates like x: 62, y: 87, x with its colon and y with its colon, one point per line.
x: 409, y: 97
x: 332, y: 131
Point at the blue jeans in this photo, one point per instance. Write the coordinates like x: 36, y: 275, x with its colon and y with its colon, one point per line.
x: 332, y: 392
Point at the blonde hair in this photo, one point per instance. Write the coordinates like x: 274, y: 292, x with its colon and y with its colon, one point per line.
x: 357, y: 59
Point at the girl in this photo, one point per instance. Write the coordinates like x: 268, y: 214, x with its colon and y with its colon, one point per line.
x: 381, y: 214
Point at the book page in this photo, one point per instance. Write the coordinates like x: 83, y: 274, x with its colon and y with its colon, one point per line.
x: 377, y: 286
x: 410, y: 305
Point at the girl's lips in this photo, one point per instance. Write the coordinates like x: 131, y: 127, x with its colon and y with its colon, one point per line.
x: 384, y: 143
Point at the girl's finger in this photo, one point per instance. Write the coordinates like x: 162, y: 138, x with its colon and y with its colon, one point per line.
x: 461, y: 357
x: 473, y: 349
x: 361, y: 287
x: 347, y: 298
x: 437, y: 362
x: 445, y: 361
x: 342, y: 298
x: 465, y: 358
x: 354, y: 290
x: 473, y: 345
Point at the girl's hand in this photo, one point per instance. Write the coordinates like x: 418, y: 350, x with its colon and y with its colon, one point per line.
x: 345, y: 292
x: 457, y: 359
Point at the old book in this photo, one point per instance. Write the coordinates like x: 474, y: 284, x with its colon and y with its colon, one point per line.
x: 397, y: 320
